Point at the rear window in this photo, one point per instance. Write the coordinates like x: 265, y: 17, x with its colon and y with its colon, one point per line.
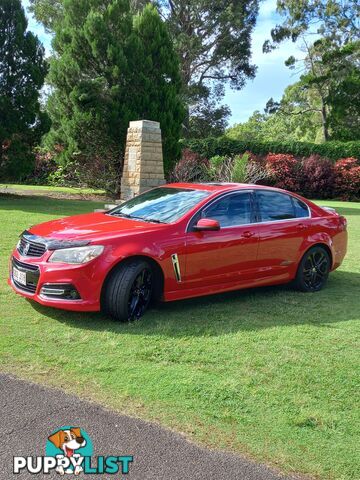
x: 301, y: 209
x: 274, y: 206
x: 280, y: 206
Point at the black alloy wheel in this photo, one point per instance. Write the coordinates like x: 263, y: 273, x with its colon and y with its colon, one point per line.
x: 129, y: 290
x: 140, y: 294
x: 313, y: 270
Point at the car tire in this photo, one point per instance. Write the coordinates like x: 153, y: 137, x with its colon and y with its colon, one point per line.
x: 313, y: 270
x: 128, y: 291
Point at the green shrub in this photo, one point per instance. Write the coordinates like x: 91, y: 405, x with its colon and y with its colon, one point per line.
x: 240, y: 168
x: 223, y: 146
x: 217, y: 161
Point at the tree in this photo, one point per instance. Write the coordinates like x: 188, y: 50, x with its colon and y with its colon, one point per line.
x: 206, y: 117
x: 47, y: 12
x: 312, y: 94
x: 155, y: 86
x: 344, y: 92
x: 212, y: 40
x: 329, y: 62
x: 22, y: 72
x: 337, y: 21
x: 110, y: 68
x: 252, y: 129
x: 331, y: 78
x: 51, y: 12
x: 296, y: 117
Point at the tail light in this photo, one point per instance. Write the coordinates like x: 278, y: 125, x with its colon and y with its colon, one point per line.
x: 343, y: 222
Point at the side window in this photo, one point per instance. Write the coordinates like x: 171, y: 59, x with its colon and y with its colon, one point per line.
x: 274, y: 206
x: 301, y: 209
x: 231, y: 210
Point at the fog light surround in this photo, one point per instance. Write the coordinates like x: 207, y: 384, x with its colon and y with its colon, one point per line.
x: 64, y: 291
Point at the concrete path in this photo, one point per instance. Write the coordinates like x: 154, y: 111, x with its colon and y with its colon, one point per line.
x: 29, y: 413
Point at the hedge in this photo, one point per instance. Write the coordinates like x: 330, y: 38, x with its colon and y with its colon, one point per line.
x: 209, y: 147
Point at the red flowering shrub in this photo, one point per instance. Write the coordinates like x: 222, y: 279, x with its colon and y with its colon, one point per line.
x: 190, y: 168
x: 347, y: 178
x: 313, y: 176
x: 284, y: 170
x: 317, y: 177
x: 258, y: 159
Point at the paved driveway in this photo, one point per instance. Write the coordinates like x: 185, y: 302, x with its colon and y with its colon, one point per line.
x: 29, y: 413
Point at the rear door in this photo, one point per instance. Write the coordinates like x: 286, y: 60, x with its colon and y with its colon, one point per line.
x: 228, y: 255
x: 284, y: 223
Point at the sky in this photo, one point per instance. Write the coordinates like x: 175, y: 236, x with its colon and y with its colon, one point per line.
x: 272, y: 75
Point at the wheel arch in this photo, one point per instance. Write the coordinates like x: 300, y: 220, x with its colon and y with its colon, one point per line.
x: 157, y: 270
x: 325, y: 246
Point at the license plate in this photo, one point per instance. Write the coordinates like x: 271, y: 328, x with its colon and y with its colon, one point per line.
x: 19, y: 276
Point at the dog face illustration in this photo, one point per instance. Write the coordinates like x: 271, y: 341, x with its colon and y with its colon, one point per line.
x: 68, y: 440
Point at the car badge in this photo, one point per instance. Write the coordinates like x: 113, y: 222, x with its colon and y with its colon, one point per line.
x: 26, y: 248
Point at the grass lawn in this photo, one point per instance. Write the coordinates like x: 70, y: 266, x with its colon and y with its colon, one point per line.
x: 270, y: 373
x: 45, y: 189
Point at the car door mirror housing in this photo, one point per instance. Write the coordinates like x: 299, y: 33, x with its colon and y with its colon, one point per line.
x: 207, y: 224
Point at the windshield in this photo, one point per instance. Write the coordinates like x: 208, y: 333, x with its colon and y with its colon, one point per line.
x: 161, y: 205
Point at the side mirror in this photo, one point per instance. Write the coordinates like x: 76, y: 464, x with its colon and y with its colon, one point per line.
x: 207, y: 224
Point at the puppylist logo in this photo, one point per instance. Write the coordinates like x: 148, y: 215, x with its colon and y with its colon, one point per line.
x: 69, y: 450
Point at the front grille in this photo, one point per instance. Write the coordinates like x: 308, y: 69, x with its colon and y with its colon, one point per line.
x: 32, y: 275
x: 31, y: 249
x: 25, y: 266
x: 27, y: 288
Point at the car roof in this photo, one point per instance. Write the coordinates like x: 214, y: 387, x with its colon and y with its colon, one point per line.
x: 219, y: 186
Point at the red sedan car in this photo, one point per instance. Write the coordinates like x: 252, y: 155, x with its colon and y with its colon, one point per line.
x: 175, y: 242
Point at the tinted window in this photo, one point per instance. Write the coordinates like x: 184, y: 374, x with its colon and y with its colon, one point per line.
x: 301, y: 209
x: 162, y: 204
x: 274, y: 206
x: 231, y: 210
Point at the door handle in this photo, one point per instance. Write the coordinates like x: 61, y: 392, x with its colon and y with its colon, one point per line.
x: 247, y: 234
x: 301, y: 226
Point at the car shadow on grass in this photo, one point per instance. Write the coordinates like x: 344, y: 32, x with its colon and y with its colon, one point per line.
x: 243, y: 310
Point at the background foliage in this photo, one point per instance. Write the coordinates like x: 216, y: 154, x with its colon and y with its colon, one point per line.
x: 111, y: 67
x: 210, y: 147
x: 22, y: 72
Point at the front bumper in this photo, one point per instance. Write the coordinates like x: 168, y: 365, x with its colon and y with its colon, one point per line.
x: 85, y: 279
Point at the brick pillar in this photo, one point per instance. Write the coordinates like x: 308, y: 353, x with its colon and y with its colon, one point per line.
x: 143, y: 164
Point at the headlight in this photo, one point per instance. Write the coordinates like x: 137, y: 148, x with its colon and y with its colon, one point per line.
x: 76, y: 255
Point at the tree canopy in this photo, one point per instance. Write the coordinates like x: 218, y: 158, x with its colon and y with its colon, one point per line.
x: 330, y: 72
x: 334, y: 20
x: 213, y: 42
x: 22, y: 71
x: 111, y: 68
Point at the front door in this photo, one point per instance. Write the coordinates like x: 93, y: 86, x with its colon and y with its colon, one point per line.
x: 229, y: 255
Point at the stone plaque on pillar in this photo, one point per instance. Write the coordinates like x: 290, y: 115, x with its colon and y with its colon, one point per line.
x: 143, y: 163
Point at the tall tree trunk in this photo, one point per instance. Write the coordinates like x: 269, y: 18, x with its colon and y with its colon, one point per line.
x: 324, y: 120
x: 186, y: 122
